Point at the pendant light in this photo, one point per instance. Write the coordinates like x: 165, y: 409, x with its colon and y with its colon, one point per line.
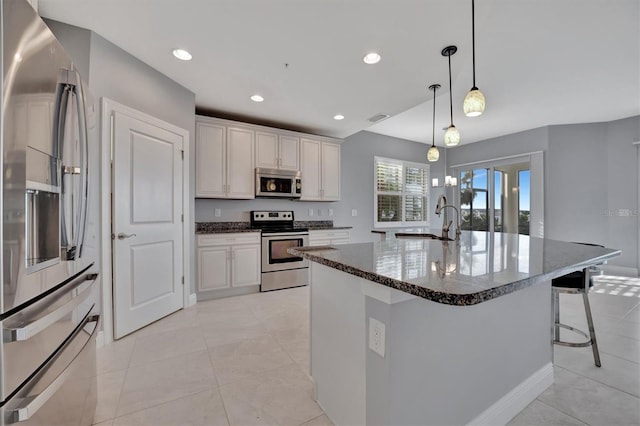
x: 474, y: 103
x: 452, y: 135
x: 433, y: 154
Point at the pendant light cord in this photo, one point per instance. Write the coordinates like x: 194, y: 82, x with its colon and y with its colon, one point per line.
x: 473, y: 40
x: 450, y: 91
x: 433, y: 127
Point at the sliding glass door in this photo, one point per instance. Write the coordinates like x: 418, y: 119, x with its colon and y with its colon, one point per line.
x: 495, y: 197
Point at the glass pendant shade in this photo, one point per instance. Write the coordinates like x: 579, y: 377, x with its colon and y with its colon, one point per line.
x: 433, y: 154
x: 473, y: 103
x: 452, y: 136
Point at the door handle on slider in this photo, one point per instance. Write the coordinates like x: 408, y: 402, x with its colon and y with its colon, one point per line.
x: 122, y: 236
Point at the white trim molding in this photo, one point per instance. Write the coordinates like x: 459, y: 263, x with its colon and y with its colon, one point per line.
x: 507, y: 407
x: 106, y: 139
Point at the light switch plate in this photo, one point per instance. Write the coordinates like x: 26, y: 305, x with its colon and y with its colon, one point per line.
x: 310, y: 212
x: 354, y: 212
x: 217, y: 212
x: 376, y: 336
x: 330, y: 212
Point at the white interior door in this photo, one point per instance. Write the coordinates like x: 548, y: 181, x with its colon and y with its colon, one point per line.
x: 147, y: 223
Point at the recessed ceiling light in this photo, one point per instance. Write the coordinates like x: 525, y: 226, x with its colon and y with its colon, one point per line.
x: 182, y: 54
x: 371, y: 58
x: 257, y: 98
x: 338, y: 117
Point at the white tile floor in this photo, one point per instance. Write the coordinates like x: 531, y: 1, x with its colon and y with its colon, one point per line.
x: 245, y: 361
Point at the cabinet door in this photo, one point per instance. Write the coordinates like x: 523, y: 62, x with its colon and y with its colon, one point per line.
x: 246, y: 265
x: 330, y: 171
x: 210, y: 160
x: 213, y: 268
x: 310, y: 169
x: 289, y: 153
x: 240, y: 163
x: 267, y: 150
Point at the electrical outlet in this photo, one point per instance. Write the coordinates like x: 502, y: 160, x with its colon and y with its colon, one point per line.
x: 330, y: 212
x: 310, y: 212
x: 376, y: 336
x: 354, y: 212
x: 217, y: 212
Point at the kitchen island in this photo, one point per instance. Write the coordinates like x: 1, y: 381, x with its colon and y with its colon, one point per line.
x: 422, y: 331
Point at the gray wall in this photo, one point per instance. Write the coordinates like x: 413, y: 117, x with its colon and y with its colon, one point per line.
x: 115, y: 74
x: 591, y: 180
x: 356, y: 187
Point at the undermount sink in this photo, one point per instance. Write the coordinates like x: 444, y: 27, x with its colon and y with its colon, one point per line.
x: 417, y: 235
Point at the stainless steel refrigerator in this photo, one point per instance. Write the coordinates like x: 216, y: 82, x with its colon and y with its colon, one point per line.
x: 50, y: 298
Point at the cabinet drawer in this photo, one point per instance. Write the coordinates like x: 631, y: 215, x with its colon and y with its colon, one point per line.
x: 229, y: 239
x: 340, y: 236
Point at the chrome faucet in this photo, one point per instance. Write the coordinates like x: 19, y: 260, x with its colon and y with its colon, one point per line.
x: 440, y: 206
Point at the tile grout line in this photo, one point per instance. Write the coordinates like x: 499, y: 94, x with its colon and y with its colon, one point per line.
x: 598, y: 381
x: 559, y: 410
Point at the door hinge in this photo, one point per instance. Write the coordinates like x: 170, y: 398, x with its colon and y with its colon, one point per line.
x: 182, y: 218
x: 183, y: 280
x: 182, y: 153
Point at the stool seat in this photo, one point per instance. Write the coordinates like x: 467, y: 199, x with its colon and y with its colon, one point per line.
x: 578, y: 282
x: 572, y: 280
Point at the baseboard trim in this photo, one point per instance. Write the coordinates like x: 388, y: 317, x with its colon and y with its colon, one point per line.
x: 507, y: 407
x: 624, y: 271
x: 192, y: 300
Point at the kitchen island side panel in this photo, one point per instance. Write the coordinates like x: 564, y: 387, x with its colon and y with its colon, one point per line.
x: 443, y: 364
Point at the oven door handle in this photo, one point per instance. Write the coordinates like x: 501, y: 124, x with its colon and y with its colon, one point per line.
x: 285, y: 234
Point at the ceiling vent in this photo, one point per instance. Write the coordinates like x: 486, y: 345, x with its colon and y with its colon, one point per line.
x: 378, y: 117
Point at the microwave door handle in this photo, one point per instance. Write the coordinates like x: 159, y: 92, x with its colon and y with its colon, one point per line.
x: 81, y: 218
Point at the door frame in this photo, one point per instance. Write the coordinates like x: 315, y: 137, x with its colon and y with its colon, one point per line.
x: 106, y: 150
x: 536, y: 165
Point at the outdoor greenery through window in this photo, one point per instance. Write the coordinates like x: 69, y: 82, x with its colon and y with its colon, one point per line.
x: 401, y: 193
x: 474, y: 200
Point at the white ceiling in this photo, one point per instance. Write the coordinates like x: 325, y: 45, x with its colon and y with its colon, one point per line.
x: 539, y: 62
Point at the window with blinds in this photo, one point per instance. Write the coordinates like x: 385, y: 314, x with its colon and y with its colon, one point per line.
x: 401, y: 193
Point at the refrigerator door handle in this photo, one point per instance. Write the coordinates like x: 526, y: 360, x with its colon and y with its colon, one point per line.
x: 33, y: 403
x: 61, y: 110
x: 84, y: 163
x: 37, y: 325
x: 72, y: 240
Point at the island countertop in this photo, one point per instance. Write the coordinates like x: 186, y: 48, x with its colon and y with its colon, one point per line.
x: 479, y: 267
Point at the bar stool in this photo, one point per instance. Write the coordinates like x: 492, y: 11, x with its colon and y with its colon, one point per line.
x: 578, y: 282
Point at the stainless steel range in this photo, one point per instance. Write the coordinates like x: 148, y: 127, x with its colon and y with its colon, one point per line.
x: 279, y: 268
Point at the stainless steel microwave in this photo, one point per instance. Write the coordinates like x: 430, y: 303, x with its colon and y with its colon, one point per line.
x: 278, y: 183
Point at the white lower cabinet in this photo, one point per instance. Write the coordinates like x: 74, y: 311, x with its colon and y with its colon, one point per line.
x: 329, y: 237
x: 228, y: 260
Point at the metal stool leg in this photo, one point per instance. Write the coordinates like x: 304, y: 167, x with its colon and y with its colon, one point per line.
x: 556, y: 313
x: 592, y: 331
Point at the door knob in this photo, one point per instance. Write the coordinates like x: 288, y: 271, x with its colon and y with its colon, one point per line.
x: 122, y: 236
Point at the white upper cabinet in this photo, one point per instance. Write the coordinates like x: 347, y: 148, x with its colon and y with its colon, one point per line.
x: 289, y: 152
x: 330, y: 171
x: 275, y: 151
x: 320, y: 167
x: 240, y: 166
x: 267, y: 150
x: 227, y: 153
x: 224, y: 160
x: 211, y: 164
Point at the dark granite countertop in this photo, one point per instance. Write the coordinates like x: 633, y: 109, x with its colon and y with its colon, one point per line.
x: 478, y: 268
x: 229, y: 227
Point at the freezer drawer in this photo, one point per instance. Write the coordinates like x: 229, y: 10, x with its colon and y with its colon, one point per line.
x: 34, y: 333
x: 63, y: 391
